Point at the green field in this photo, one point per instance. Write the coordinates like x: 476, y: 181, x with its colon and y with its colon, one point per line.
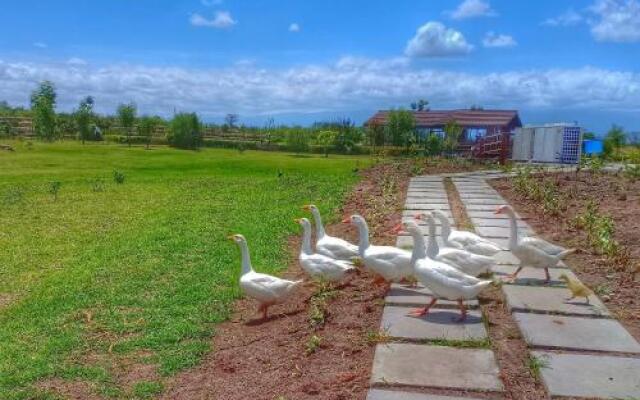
x: 142, y: 268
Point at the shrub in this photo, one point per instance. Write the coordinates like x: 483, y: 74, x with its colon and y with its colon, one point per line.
x: 54, y: 188
x: 433, y: 145
x: 84, y: 116
x: 118, y: 177
x: 185, y: 131
x: 127, y: 116
x: 43, y: 102
x: 298, y: 140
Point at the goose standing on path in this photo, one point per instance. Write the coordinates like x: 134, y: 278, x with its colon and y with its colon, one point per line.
x: 465, y: 240
x: 532, y: 252
x: 390, y: 263
x: 318, y: 265
x: 445, y: 281
x: 266, y: 289
x: 466, y: 261
x: 327, y: 245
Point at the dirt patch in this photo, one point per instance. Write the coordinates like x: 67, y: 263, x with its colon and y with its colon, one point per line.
x: 615, y: 279
x: 506, y: 341
x: 71, y: 390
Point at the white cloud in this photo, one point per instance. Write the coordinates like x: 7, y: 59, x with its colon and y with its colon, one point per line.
x: 492, y: 39
x: 294, y: 27
x: 568, y: 18
x: 210, y: 3
x: 433, y: 39
x: 222, y: 20
x: 40, y: 45
x: 471, y: 9
x: 616, y: 20
x: 76, y: 61
x: 349, y: 84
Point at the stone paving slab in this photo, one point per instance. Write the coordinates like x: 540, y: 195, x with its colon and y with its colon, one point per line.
x: 380, y: 394
x: 438, y: 324
x: 411, y: 202
x: 581, y: 375
x: 480, y: 196
x: 412, y: 213
x: 576, y: 333
x: 407, y: 296
x: 435, y: 366
x: 551, y: 300
x: 533, y: 276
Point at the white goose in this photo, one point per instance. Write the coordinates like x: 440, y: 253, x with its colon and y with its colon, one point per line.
x: 266, y: 289
x: 391, y: 263
x: 466, y: 261
x: 444, y: 281
x: 465, y: 240
x: 318, y: 265
x: 330, y: 246
x: 533, y: 252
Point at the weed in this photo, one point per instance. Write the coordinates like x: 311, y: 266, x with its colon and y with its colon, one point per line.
x: 54, y: 188
x: 97, y: 185
x: 535, y: 365
x: 147, y: 389
x: 600, y: 229
x: 632, y: 171
x: 313, y: 344
x: 13, y: 195
x: 118, y: 177
x: 463, y: 344
x: 375, y: 337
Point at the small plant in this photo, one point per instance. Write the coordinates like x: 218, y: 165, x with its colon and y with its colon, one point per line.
x: 118, y: 177
x: 375, y: 337
x: 536, y: 364
x: 313, y: 344
x: 54, y: 188
x: 632, y: 171
x: 97, y: 185
x: 600, y: 229
x: 147, y: 389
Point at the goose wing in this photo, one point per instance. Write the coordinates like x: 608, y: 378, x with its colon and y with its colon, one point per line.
x: 336, y: 248
x: 543, y: 245
x: 265, y: 287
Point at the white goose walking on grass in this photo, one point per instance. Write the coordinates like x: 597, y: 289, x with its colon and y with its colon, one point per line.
x: 318, y: 265
x: 330, y: 246
x: 532, y: 252
x: 445, y: 281
x: 266, y: 289
x: 390, y: 263
x: 465, y: 240
x: 466, y: 261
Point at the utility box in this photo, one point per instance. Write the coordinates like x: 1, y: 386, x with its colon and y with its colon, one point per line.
x: 551, y: 143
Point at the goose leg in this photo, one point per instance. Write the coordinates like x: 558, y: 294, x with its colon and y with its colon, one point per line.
x: 423, y: 311
x: 515, y: 274
x: 546, y: 274
x: 263, y: 309
x: 463, y: 311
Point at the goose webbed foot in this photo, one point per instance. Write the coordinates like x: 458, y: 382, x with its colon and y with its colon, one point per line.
x: 463, y: 312
x: 547, y: 276
x: 420, y: 312
x: 512, y: 277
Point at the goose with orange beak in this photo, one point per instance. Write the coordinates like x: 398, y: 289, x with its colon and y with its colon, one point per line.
x: 266, y: 289
x: 317, y: 265
x: 327, y: 245
x: 532, y: 252
x: 390, y: 263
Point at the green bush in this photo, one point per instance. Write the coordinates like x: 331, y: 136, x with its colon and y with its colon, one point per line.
x: 298, y: 140
x: 185, y: 131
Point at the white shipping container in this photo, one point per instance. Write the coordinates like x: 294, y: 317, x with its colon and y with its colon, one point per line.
x: 558, y: 143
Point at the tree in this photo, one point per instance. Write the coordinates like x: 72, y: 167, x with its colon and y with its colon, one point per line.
x: 146, y: 127
x: 83, y: 117
x: 43, y: 103
x: 452, y: 133
x: 400, y: 127
x: 614, y: 141
x: 127, y: 116
x: 326, y: 139
x: 185, y: 131
x: 375, y: 134
x: 231, y: 120
x: 420, y: 105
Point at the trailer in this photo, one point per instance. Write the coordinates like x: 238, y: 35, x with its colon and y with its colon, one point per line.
x: 550, y: 143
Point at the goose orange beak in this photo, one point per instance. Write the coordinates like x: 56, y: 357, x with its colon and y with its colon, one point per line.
x: 346, y: 220
x: 397, y: 229
x: 297, y: 220
x: 306, y: 207
x: 231, y: 237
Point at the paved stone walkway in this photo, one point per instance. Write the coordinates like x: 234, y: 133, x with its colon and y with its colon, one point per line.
x: 583, y: 350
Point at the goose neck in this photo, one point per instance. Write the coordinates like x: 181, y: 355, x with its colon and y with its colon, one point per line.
x: 246, y: 258
x: 432, y: 247
x: 318, y: 221
x: 306, y: 240
x: 363, y: 237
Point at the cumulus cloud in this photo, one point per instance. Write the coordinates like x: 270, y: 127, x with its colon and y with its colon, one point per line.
x: 616, y: 20
x: 472, y: 9
x: 492, y: 39
x: 568, y: 18
x: 222, y: 20
x: 348, y: 84
x: 433, y: 39
x: 294, y: 27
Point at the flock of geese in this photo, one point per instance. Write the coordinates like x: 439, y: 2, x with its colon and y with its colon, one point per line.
x: 450, y: 272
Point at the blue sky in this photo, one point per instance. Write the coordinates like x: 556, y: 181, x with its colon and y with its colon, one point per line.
x: 300, y: 61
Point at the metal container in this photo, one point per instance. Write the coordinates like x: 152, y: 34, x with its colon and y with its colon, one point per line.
x: 553, y: 143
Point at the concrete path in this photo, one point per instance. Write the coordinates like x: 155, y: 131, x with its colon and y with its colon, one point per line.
x: 583, y: 351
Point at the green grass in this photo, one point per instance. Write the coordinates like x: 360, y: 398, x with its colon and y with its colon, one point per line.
x: 99, y: 266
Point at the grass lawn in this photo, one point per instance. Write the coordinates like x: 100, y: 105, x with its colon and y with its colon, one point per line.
x: 140, y: 269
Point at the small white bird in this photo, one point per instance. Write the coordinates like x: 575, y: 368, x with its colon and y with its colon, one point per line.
x: 330, y: 246
x: 318, y: 265
x: 391, y: 263
x: 465, y: 240
x: 266, y: 289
